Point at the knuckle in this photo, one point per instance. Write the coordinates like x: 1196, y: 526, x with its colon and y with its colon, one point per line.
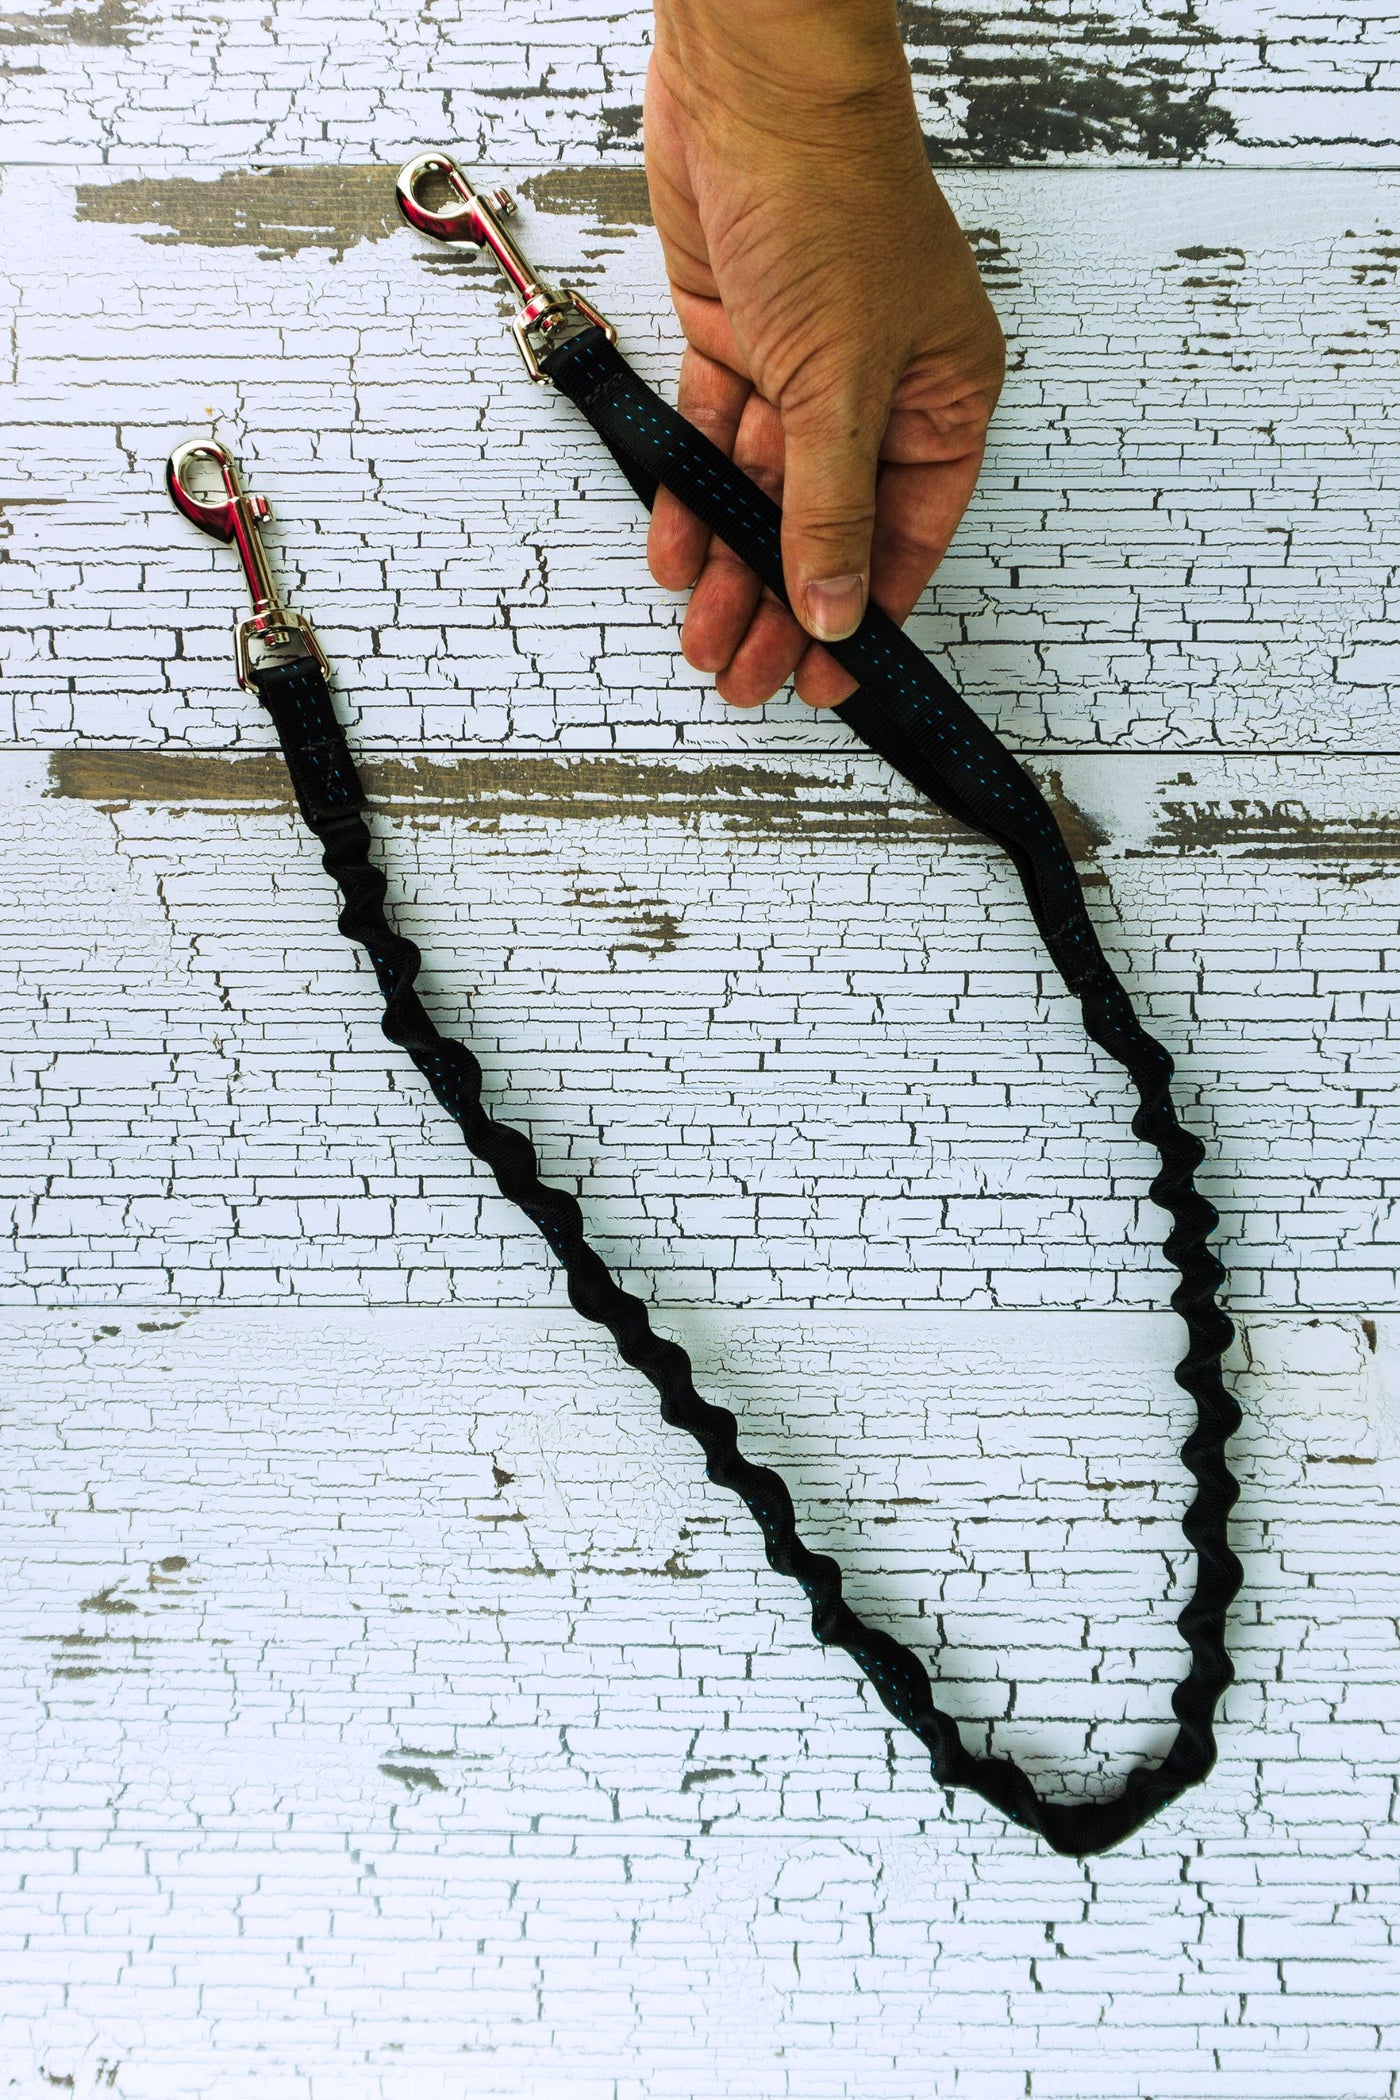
x: 833, y: 525
x: 762, y: 470
x: 713, y: 422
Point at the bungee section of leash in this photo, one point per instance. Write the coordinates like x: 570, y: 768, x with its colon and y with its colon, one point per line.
x: 909, y: 714
x: 914, y: 718
x: 330, y: 799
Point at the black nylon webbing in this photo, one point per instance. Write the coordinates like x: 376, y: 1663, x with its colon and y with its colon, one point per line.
x: 911, y: 715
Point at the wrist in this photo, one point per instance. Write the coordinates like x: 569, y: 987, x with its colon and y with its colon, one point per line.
x: 780, y: 58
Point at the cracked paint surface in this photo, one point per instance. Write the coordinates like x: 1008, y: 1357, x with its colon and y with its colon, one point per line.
x: 1181, y: 538
x: 827, y: 1067
x: 393, y: 1711
x: 395, y: 1741
x: 1003, y: 84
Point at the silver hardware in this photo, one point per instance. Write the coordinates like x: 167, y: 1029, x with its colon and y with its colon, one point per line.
x: 548, y: 314
x: 237, y: 516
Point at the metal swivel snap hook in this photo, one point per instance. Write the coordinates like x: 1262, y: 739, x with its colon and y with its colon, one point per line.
x: 237, y: 516
x: 547, y: 312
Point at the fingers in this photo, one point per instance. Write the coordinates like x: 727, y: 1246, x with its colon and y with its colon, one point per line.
x: 758, y: 652
x: 918, y: 509
x: 733, y: 628
x: 738, y: 632
x: 951, y: 431
x: 820, y: 680
x: 727, y: 594
x: 832, y: 447
x: 711, y: 396
x: 766, y: 657
x: 750, y: 641
x: 724, y: 601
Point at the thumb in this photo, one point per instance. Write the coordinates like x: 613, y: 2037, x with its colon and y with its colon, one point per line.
x: 831, y: 454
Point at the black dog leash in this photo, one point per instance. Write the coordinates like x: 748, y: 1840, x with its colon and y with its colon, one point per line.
x: 906, y: 711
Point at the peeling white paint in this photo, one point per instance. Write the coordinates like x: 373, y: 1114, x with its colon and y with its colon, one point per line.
x: 392, y: 1710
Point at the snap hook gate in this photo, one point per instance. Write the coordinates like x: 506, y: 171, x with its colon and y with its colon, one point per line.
x: 272, y: 628
x: 547, y: 312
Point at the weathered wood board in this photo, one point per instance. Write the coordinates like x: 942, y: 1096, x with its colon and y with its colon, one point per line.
x: 392, y: 1711
x: 403, y: 1708
x: 1182, y: 537
x: 787, y: 1031
x: 1125, y: 81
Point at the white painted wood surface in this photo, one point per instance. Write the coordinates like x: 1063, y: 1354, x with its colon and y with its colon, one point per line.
x: 413, y: 1718
x: 1181, y: 539
x: 1227, y: 81
x: 788, y: 1055
x: 391, y: 1709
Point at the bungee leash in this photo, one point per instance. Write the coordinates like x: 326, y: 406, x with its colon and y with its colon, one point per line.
x: 907, y: 712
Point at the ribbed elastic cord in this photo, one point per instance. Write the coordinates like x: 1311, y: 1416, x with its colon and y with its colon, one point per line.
x: 910, y: 714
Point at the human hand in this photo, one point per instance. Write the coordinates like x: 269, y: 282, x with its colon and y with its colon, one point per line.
x: 840, y: 345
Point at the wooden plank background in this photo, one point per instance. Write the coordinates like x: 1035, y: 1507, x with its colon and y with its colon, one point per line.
x: 392, y: 1710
